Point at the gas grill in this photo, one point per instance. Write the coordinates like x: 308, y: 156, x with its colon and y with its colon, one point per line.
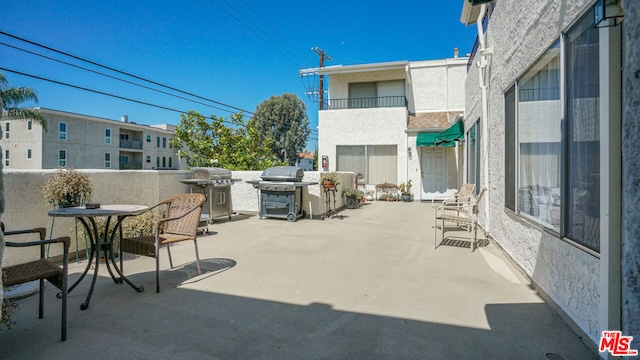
x: 215, y: 184
x: 281, y: 192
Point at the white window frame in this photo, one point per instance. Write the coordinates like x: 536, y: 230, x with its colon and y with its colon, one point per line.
x: 62, y: 160
x: 29, y: 154
x: 149, y: 138
x: 107, y: 160
x: 6, y: 158
x: 29, y: 125
x: 6, y: 130
x: 62, y: 134
x: 107, y: 136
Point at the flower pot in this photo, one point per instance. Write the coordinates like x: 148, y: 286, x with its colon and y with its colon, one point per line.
x: 406, y: 197
x: 328, y: 184
x: 352, y: 202
x: 70, y: 200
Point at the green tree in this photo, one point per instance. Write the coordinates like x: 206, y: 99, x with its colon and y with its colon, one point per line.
x: 10, y: 100
x: 209, y: 142
x: 284, y: 120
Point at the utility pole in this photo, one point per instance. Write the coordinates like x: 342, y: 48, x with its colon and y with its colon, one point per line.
x: 323, y: 57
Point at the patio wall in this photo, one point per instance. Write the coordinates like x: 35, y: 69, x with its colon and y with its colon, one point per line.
x: 26, y: 207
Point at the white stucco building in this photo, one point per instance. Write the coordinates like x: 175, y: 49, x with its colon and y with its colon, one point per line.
x: 374, y: 115
x: 86, y: 142
x: 544, y: 103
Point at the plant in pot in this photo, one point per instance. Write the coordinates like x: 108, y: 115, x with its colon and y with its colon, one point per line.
x: 329, y: 180
x: 67, y: 188
x: 388, y: 189
x: 405, y: 190
x: 353, y: 197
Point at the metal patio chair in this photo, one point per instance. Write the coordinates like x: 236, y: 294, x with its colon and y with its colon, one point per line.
x: 179, y: 222
x: 40, y: 269
x: 462, y: 214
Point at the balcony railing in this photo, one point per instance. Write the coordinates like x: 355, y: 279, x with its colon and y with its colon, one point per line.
x: 130, y: 144
x: 365, y: 103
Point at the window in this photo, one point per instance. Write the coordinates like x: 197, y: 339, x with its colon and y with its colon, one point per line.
x: 377, y: 94
x: 6, y: 158
x: 107, y: 136
x: 29, y: 125
x: 157, y: 162
x: 164, y: 142
x: 28, y: 153
x: 148, y: 159
x: 473, y: 156
x: 148, y: 138
x: 377, y: 163
x: 170, y: 158
x: 6, y: 130
x: 62, y: 130
x: 583, y: 129
x: 164, y: 161
x: 124, y: 137
x: 107, y: 160
x: 124, y: 162
x: 552, y: 138
x: 510, y: 149
x: 158, y: 142
x: 62, y: 158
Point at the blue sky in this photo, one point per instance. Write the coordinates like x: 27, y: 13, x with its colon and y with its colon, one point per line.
x: 236, y: 52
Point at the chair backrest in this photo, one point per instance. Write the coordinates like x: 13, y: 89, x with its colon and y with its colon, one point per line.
x: 480, y: 195
x: 466, y: 190
x: 179, y: 205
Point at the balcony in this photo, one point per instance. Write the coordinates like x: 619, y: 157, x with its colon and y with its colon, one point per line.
x: 367, y: 103
x: 131, y: 144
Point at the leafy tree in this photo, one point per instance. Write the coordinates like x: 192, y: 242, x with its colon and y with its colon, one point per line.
x: 10, y: 100
x: 209, y: 142
x: 284, y: 120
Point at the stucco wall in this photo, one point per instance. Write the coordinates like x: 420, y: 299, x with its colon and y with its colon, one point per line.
x: 519, y: 32
x: 437, y: 85
x: 631, y: 172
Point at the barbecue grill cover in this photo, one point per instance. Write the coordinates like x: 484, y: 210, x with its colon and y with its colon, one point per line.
x: 282, y: 173
x: 210, y: 173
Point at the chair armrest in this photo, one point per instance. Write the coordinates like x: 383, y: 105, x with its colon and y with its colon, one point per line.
x: 65, y: 240
x: 41, y: 231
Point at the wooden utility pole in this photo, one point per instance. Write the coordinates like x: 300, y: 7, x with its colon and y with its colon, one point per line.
x: 323, y: 57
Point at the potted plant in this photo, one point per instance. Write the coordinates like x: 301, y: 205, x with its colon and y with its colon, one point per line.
x: 67, y: 188
x: 353, y: 197
x: 389, y: 190
x: 405, y: 190
x: 329, y: 180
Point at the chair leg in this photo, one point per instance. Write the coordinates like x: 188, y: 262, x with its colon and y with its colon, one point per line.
x: 195, y: 243
x: 157, y: 253
x: 169, y: 252
x: 41, y: 300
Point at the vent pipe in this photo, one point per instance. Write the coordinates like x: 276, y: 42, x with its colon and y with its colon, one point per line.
x: 124, y: 118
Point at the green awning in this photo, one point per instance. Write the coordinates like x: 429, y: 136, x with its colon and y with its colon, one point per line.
x: 446, y: 138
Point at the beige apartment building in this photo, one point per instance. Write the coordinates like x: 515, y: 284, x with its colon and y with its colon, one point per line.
x: 86, y: 142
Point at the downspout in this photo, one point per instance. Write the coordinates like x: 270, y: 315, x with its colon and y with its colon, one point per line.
x: 482, y: 64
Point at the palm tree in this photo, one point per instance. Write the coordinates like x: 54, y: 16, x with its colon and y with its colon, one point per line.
x: 10, y: 100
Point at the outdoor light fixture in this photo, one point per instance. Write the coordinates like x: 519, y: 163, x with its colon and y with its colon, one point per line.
x: 409, y: 152
x: 607, y: 13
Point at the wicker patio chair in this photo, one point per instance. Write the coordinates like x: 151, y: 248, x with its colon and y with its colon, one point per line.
x: 179, y: 222
x: 40, y: 269
x: 462, y: 214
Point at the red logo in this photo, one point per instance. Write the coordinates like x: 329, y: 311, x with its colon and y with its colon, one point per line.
x: 616, y: 344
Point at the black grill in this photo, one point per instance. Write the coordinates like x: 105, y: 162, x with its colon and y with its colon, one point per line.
x: 281, y: 192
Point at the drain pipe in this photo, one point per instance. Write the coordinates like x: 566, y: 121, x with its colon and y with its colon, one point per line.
x: 482, y: 64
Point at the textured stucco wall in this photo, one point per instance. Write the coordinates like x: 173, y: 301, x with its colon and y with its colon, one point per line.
x: 437, y: 85
x: 377, y: 126
x: 631, y: 172
x: 519, y: 32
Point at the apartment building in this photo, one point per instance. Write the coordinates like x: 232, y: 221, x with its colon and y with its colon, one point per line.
x: 395, y: 121
x: 86, y: 142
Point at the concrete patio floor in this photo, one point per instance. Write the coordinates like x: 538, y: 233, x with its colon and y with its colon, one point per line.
x: 367, y: 286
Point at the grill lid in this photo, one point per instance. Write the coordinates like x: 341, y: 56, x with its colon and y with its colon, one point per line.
x: 210, y: 173
x: 282, y: 173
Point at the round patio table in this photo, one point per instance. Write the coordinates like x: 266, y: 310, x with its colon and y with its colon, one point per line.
x: 105, y: 242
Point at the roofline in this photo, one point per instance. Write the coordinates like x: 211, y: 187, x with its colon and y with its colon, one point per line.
x: 105, y: 120
x: 339, y: 69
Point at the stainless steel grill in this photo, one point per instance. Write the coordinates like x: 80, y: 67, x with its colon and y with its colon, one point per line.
x: 215, y: 183
x: 281, y: 192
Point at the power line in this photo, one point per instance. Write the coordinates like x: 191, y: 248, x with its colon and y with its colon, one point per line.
x: 113, y: 77
x: 121, y: 72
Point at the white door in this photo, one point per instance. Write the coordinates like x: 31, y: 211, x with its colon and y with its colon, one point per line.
x: 434, y: 172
